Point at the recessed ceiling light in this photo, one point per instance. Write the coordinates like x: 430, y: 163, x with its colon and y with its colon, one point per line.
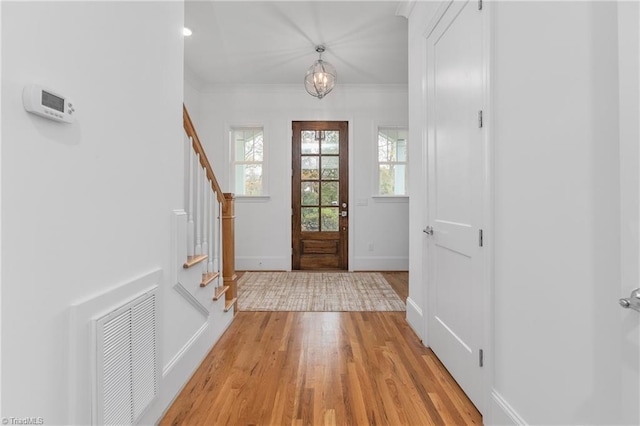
x: 186, y: 32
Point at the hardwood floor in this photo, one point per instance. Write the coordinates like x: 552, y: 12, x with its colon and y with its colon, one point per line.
x: 399, y: 281
x: 321, y: 368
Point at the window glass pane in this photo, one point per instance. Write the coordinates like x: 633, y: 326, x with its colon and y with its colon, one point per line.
x: 401, y: 150
x: 310, y: 194
x: 252, y: 179
x: 330, y: 168
x: 247, y: 148
x: 239, y: 179
x: 329, y: 218
x: 385, y: 180
x: 392, y: 179
x: 330, y: 142
x: 310, y: 142
x: 258, y: 146
x: 383, y: 147
x: 238, y: 137
x: 329, y: 194
x: 309, y: 219
x: 399, y: 179
x: 310, y: 168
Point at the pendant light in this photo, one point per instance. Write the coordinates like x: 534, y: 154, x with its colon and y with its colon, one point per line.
x: 321, y: 76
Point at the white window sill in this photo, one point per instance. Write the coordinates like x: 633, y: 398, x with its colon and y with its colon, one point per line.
x: 253, y: 198
x: 390, y: 198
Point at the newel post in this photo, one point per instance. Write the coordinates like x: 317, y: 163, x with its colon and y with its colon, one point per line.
x: 229, y: 248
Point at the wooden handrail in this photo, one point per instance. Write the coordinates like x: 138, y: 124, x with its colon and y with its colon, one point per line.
x: 204, y: 161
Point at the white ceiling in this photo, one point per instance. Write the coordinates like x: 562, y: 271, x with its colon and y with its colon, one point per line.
x: 271, y: 42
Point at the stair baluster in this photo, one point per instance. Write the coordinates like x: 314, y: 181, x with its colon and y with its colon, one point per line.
x: 211, y: 231
x: 198, y: 212
x: 190, y: 225
x: 206, y: 185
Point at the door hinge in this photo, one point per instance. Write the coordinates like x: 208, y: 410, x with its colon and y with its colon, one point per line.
x: 480, y: 121
x: 481, y: 358
x: 481, y: 238
x: 479, y: 4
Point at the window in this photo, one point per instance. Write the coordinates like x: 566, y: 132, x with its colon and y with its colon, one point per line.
x: 247, y: 146
x: 392, y: 161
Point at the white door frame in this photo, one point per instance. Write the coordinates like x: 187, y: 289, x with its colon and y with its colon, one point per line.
x: 488, y: 196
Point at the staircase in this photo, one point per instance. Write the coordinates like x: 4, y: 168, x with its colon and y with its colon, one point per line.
x: 204, y: 233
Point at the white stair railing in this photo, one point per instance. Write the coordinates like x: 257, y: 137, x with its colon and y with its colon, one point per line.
x: 204, y: 215
x: 211, y: 223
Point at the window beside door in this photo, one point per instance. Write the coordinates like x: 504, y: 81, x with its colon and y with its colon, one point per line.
x: 248, y: 161
x: 392, y: 170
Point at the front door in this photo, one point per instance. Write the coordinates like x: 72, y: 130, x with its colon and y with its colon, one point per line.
x: 456, y: 171
x: 320, y: 199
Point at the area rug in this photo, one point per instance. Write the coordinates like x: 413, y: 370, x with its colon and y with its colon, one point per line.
x: 316, y: 292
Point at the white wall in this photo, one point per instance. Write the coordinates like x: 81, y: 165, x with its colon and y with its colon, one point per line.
x: 557, y: 211
x: 560, y: 152
x: 192, y: 97
x: 87, y: 206
x: 263, y: 226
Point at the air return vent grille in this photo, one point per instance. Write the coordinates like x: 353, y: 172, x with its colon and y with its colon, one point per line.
x: 127, y: 363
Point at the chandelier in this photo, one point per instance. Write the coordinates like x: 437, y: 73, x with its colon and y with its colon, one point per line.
x: 321, y: 76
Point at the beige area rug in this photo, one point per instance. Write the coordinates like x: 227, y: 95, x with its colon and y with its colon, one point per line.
x: 316, y: 292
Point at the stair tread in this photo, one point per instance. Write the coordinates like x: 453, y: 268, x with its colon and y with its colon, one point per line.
x: 229, y: 304
x: 208, y: 277
x: 194, y: 260
x: 220, y: 290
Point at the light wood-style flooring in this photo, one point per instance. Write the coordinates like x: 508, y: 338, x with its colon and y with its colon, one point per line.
x: 322, y: 368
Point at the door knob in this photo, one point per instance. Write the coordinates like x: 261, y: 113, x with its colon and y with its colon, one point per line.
x: 631, y: 302
x: 428, y: 230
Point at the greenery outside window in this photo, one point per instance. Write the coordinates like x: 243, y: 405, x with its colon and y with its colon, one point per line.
x: 392, y: 161
x: 248, y: 162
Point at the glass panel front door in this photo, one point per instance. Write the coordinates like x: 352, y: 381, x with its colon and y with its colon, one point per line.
x: 320, y: 219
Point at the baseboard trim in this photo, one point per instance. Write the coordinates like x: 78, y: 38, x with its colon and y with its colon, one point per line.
x: 263, y: 263
x: 187, y: 346
x: 185, y: 363
x: 379, y: 263
x: 502, y: 411
x: 415, y: 318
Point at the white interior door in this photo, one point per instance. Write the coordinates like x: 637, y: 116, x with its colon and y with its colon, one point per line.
x: 456, y: 172
x: 629, y: 110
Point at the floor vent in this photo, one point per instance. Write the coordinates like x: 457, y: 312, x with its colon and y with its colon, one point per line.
x: 127, y: 368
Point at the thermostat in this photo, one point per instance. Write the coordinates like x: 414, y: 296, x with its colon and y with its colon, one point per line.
x: 47, y: 103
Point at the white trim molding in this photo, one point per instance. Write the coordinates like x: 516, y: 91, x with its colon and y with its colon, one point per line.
x: 415, y: 318
x: 192, y: 300
x: 379, y: 263
x: 405, y: 8
x: 263, y: 263
x: 502, y: 413
x: 186, y: 348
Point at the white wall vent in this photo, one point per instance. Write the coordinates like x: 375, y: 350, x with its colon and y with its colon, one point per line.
x: 127, y: 367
